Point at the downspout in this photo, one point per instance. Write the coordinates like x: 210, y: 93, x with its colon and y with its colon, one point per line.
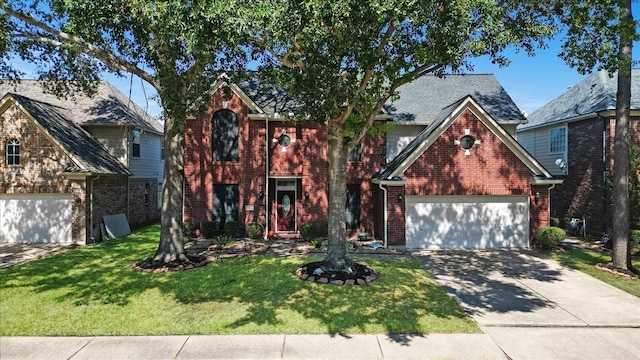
x: 549, y: 202
x: 384, y: 222
x: 266, y: 178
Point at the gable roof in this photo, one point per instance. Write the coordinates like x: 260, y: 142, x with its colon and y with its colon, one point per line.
x: 423, y: 99
x: 87, y: 154
x: 107, y: 107
x: 596, y: 93
x: 395, y: 169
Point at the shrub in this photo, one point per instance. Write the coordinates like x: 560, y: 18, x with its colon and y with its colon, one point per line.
x: 189, y: 229
x: 322, y: 229
x: 233, y: 228
x: 307, y: 231
x: 634, y: 237
x: 208, y: 229
x: 224, y: 240
x: 554, y: 221
x: 255, y: 230
x: 548, y: 237
x: 316, y: 243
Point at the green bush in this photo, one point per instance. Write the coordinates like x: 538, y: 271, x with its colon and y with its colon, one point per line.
x: 189, y: 229
x: 634, y: 237
x: 234, y: 228
x: 208, y: 229
x: 554, y: 221
x: 548, y: 237
x: 307, y: 231
x: 255, y: 230
x: 322, y: 229
x: 224, y: 240
x: 316, y: 243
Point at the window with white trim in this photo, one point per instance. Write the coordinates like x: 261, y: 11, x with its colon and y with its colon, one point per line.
x: 136, y: 143
x: 13, y: 152
x: 558, y: 140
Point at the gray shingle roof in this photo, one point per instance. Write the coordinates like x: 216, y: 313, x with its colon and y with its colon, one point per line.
x: 422, y: 100
x: 268, y: 98
x: 87, y: 153
x: 597, y: 92
x: 108, y: 107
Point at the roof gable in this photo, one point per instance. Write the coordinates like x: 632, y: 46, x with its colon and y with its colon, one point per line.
x: 396, y: 168
x: 87, y: 154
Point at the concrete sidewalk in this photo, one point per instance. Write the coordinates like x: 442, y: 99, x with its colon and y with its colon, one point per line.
x: 437, y: 346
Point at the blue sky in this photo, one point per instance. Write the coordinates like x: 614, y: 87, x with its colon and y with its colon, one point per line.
x: 530, y: 81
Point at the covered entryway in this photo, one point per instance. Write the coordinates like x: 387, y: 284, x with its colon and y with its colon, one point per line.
x: 35, y: 218
x: 467, y: 222
x: 286, y: 195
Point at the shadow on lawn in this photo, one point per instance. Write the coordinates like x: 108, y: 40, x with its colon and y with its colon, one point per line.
x: 402, y: 299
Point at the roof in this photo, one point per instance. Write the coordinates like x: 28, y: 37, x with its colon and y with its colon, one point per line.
x: 597, y: 92
x: 396, y: 167
x: 107, y: 107
x: 87, y: 154
x: 267, y: 98
x: 423, y: 99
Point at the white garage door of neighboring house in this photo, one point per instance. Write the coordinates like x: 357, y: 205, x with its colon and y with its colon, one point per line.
x: 35, y: 218
x: 467, y: 222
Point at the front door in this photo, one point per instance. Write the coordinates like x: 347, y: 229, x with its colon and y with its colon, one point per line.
x: 286, y: 210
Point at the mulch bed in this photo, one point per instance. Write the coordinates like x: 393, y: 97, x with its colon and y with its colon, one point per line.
x: 361, y: 274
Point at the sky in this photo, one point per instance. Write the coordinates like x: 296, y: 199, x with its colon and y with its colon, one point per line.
x: 530, y: 81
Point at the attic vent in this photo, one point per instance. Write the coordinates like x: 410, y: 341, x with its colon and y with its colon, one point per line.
x: 466, y: 143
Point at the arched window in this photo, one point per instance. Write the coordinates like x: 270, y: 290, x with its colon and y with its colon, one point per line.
x: 225, y: 136
x: 13, y: 152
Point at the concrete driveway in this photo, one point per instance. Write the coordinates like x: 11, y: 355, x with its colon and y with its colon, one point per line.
x: 534, y: 308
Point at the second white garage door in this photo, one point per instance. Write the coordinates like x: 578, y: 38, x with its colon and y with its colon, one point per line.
x: 467, y: 222
x: 35, y: 218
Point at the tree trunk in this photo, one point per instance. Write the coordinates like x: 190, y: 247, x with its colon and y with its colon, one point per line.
x: 171, y: 247
x: 620, y: 252
x: 337, y: 258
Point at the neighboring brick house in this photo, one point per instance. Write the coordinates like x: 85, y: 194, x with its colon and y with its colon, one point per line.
x: 577, y: 130
x: 448, y: 175
x: 68, y: 162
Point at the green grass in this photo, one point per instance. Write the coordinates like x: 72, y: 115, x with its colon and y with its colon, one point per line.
x: 585, y: 261
x: 93, y: 291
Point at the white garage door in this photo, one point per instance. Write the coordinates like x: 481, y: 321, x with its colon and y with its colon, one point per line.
x: 467, y: 222
x: 35, y: 218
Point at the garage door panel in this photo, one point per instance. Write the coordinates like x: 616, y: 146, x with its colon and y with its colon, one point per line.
x: 467, y: 222
x: 35, y: 218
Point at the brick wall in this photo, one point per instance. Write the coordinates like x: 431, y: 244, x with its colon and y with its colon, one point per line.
x: 109, y: 198
x: 143, y: 202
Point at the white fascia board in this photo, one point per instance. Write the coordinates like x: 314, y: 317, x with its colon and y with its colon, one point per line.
x: 402, y: 182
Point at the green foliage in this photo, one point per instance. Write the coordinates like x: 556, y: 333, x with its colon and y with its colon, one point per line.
x: 307, y: 231
x: 255, y: 230
x: 316, y: 243
x: 233, y: 228
x: 554, y: 221
x: 189, y: 228
x: 208, y: 229
x: 634, y: 237
x: 95, y: 287
x: 322, y: 229
x: 224, y: 240
x: 549, y: 237
x: 353, y: 245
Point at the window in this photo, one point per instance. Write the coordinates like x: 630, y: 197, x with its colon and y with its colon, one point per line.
x: 225, y: 136
x: 146, y: 194
x: 226, y: 199
x: 356, y: 154
x: 558, y: 140
x: 136, y: 143
x: 13, y: 152
x: 352, y: 219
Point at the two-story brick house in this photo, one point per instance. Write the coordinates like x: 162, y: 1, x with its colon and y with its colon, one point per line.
x: 68, y: 162
x: 572, y: 136
x: 449, y: 174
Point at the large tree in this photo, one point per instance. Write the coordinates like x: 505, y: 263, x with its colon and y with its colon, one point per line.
x: 343, y: 60
x: 178, y: 47
x: 600, y: 35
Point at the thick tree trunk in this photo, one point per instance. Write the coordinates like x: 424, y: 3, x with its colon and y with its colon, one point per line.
x: 337, y: 258
x: 620, y: 253
x: 171, y: 247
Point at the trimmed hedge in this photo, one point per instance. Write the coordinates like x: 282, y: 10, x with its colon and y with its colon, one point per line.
x: 549, y: 237
x: 255, y: 230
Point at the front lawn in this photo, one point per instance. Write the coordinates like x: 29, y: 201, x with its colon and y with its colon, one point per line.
x: 586, y: 261
x: 92, y: 291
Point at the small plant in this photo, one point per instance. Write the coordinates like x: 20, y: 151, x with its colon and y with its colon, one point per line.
x: 549, y: 237
x: 634, y: 237
x: 208, y: 229
x: 189, y: 229
x: 255, y: 230
x: 307, y: 231
x: 353, y: 245
x: 233, y: 228
x: 322, y: 229
x: 316, y: 243
x: 224, y: 240
x: 554, y: 221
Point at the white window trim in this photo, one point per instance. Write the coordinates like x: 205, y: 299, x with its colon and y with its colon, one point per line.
x: 566, y: 136
x: 13, y: 143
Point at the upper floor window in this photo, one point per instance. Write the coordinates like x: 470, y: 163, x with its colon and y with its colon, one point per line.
x: 558, y: 140
x: 13, y: 152
x: 225, y: 136
x: 136, y: 143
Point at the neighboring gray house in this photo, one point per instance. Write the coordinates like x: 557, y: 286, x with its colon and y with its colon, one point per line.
x: 68, y: 162
x: 573, y: 136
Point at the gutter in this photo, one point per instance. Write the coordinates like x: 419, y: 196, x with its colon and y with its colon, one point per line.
x: 384, y: 190
x: 384, y: 222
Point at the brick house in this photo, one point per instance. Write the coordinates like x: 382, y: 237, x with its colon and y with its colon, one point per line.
x: 68, y: 162
x: 448, y: 175
x: 577, y: 130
